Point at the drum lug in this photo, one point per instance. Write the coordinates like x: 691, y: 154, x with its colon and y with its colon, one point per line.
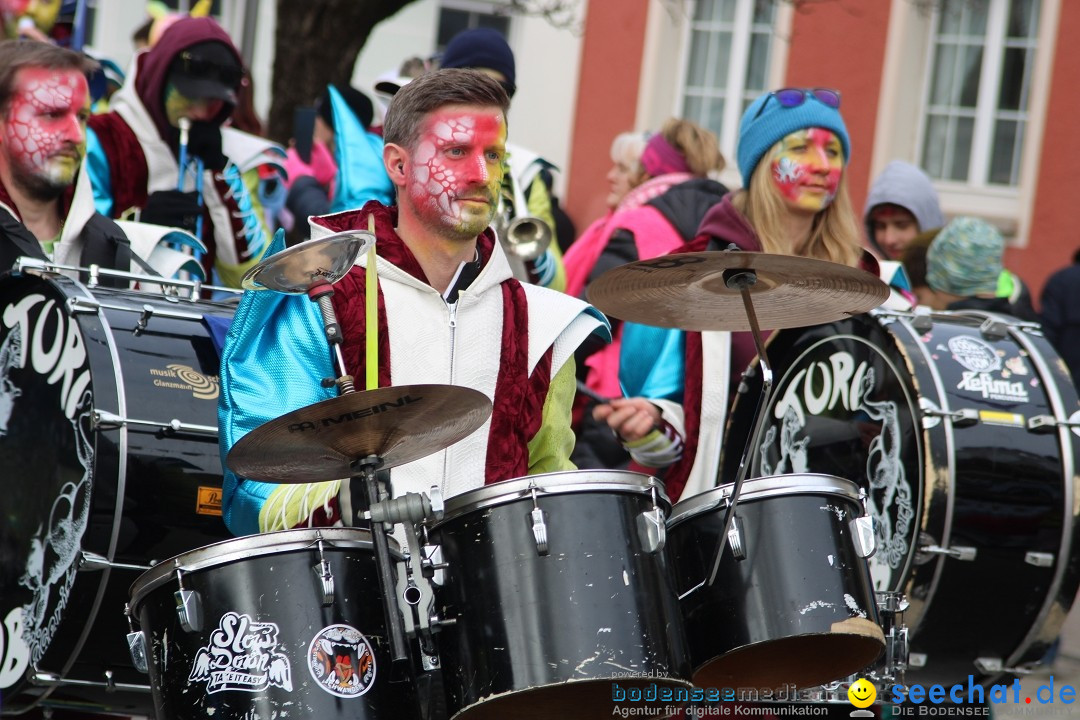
x: 91, y: 562
x: 862, y: 531
x: 651, y: 527
x: 994, y: 666
x: 137, y: 648
x: 959, y: 552
x: 432, y: 564
x: 651, y: 530
x: 735, y: 539
x: 932, y: 415
x: 188, y: 605
x: 539, y: 526
x: 326, y: 578
x: 136, y: 643
x: 82, y: 305
x: 993, y: 329
x: 1039, y: 559
x: 144, y: 320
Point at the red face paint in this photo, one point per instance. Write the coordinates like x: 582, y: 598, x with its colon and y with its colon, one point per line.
x: 44, y: 131
x: 456, y: 170
x: 807, y: 168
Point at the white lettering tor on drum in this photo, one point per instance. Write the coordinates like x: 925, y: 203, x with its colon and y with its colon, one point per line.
x: 840, y: 382
x: 65, y: 356
x: 14, y: 653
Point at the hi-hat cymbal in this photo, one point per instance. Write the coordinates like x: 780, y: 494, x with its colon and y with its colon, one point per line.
x: 321, y: 441
x: 294, y: 269
x: 690, y: 291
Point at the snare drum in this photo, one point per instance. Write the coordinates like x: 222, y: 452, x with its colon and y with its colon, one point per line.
x: 792, y: 603
x: 956, y: 424
x: 559, y: 596
x: 282, y: 624
x: 108, y: 444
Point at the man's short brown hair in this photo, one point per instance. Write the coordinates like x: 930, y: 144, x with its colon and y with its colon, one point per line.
x: 18, y: 54
x: 433, y: 90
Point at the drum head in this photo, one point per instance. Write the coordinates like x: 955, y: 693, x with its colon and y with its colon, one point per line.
x: 844, y: 403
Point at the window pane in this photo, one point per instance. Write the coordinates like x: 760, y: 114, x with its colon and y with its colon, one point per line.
x: 1013, y: 75
x: 699, y: 59
x: 451, y: 22
x: 941, y: 91
x: 961, y: 148
x: 1004, y: 152
x: 705, y: 10
x: 727, y: 10
x: 972, y: 69
x: 715, y: 120
x: 933, y: 160
x: 692, y: 109
x: 949, y: 20
x: 721, y: 59
x: 757, y: 66
x: 764, y: 11
x: 1023, y: 18
x: 975, y: 15
x: 501, y: 23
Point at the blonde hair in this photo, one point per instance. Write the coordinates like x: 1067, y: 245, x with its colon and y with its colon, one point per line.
x: 834, y: 233
x: 699, y: 146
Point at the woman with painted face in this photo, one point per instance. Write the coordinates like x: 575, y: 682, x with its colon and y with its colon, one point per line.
x: 792, y: 152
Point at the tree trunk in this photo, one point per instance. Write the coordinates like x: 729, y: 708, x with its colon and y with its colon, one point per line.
x: 317, y: 42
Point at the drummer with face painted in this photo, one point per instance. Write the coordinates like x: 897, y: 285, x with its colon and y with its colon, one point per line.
x: 449, y: 312
x: 47, y: 204
x: 793, y: 152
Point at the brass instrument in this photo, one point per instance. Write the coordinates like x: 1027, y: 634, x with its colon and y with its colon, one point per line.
x: 524, y: 239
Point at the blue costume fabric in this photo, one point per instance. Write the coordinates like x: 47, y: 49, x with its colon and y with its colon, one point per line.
x: 251, y: 363
x: 361, y: 175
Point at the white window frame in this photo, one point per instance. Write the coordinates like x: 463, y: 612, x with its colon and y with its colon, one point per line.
x: 735, y: 86
x: 902, y: 113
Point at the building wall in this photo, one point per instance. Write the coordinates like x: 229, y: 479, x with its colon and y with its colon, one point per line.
x: 860, y: 28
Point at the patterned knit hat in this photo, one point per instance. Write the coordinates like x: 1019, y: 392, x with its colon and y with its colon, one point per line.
x: 965, y: 258
x: 758, y: 133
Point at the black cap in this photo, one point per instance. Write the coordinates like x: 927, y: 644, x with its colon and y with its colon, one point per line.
x: 357, y: 101
x: 207, y: 70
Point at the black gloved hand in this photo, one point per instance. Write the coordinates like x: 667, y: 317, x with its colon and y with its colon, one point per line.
x: 173, y: 208
x: 204, y: 142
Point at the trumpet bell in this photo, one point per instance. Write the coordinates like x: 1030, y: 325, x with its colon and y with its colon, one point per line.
x: 527, y: 238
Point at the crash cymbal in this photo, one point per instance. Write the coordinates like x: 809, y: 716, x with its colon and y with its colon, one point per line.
x: 321, y: 441
x: 294, y: 269
x: 689, y: 291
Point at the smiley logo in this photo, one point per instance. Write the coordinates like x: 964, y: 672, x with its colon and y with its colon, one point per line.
x: 862, y: 693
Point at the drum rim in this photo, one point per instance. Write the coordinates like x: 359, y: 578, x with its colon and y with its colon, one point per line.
x: 248, y: 546
x: 761, y: 488
x: 554, y: 483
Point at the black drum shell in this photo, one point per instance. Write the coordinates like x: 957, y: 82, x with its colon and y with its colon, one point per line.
x: 994, y: 485
x: 799, y: 608
x: 153, y: 493
x: 270, y: 579
x: 530, y: 632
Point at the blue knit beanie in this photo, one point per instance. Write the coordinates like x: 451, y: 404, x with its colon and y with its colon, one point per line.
x: 481, y: 48
x: 758, y: 134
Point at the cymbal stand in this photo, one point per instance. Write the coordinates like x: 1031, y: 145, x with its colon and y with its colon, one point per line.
x: 743, y: 280
x: 320, y: 292
x: 399, y: 650
x: 423, y: 567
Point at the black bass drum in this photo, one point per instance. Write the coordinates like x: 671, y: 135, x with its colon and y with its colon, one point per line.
x: 958, y: 427
x: 275, y: 625
x: 108, y: 444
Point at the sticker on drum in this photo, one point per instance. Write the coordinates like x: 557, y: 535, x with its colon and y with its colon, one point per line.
x: 292, y: 625
x: 342, y: 661
x: 959, y: 427
x: 108, y: 440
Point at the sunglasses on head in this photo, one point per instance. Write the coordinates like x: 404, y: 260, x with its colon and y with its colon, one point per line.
x: 195, y: 66
x: 793, y: 97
